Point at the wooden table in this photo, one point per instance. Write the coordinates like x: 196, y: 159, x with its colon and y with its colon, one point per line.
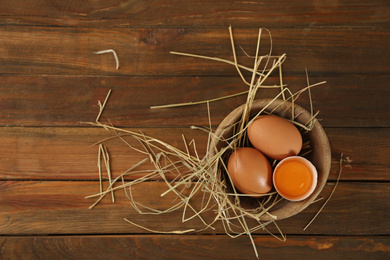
x: 51, y: 81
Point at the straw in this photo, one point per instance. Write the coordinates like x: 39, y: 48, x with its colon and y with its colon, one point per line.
x: 113, y: 53
x: 202, y: 177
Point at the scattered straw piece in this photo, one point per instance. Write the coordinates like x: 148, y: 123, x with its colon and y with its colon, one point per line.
x: 106, y: 159
x: 212, y: 100
x: 110, y: 51
x: 212, y: 58
x: 341, y: 165
x: 281, y: 81
x: 102, y: 106
x: 161, y: 232
x: 235, y: 56
x: 100, y: 170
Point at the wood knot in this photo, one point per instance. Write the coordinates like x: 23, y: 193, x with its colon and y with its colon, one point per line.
x: 161, y: 37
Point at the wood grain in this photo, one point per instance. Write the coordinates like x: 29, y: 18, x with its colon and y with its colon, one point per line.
x: 59, y: 207
x: 195, y: 13
x: 141, y: 51
x: 62, y: 153
x: 348, y: 101
x: 194, y: 247
x: 51, y: 81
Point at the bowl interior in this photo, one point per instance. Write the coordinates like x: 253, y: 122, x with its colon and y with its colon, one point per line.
x: 320, y: 155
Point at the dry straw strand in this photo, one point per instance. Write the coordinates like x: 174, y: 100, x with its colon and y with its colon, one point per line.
x: 341, y: 166
x: 113, y: 53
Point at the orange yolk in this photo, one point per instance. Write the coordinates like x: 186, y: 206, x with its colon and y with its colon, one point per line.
x: 293, y: 178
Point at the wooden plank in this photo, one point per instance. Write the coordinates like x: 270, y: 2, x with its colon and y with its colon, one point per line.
x: 195, y: 12
x: 56, y: 50
x: 59, y: 207
x: 193, y: 247
x: 66, y: 153
x: 348, y: 101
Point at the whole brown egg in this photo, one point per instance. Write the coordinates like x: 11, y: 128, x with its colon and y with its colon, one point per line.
x: 250, y: 171
x: 276, y: 137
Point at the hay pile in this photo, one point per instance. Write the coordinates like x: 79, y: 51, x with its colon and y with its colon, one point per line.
x: 205, y: 177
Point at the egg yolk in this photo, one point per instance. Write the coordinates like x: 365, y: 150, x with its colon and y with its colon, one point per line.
x: 293, y: 178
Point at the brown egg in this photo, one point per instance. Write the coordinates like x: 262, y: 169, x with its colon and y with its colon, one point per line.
x: 275, y: 137
x: 250, y: 171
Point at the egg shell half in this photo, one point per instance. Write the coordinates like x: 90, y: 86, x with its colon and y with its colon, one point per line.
x: 275, y: 137
x: 250, y: 171
x: 295, y: 178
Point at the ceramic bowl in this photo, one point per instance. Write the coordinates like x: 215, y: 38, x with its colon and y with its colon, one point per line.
x: 320, y: 155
